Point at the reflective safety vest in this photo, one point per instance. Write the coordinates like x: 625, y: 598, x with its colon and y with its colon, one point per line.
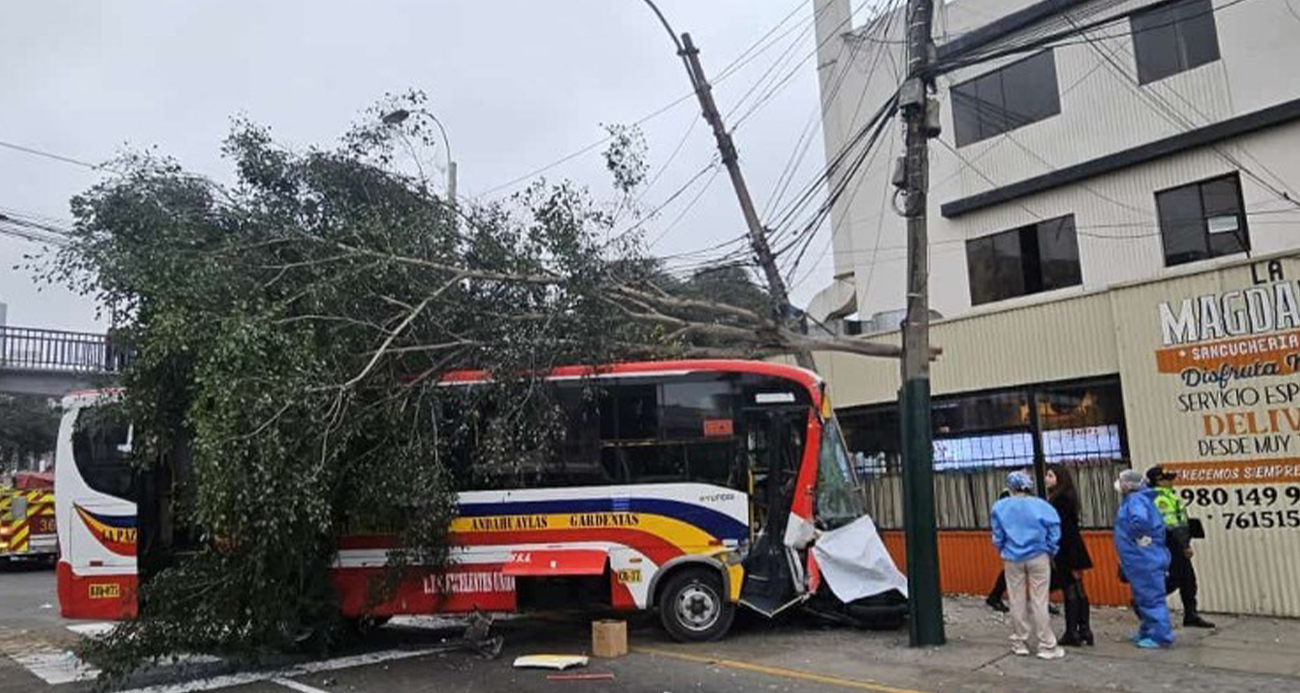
x: 1171, y: 507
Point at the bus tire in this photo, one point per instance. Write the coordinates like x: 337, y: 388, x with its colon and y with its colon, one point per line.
x: 693, y: 606
x: 362, y: 625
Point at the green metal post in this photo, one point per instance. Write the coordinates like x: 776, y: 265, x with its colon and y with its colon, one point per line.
x: 925, y: 600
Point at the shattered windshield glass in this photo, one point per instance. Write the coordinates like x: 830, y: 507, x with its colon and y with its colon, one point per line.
x: 838, y: 502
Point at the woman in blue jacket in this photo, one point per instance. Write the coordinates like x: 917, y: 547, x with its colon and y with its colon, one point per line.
x: 1143, y: 558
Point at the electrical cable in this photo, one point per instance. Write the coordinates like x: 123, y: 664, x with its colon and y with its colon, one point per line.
x: 1166, y: 110
x: 727, y: 71
x: 50, y: 155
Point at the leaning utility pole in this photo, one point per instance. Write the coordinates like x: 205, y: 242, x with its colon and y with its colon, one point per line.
x: 925, y: 601
x: 727, y: 149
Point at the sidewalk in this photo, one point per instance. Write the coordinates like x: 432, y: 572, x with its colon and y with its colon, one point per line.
x: 1242, y: 654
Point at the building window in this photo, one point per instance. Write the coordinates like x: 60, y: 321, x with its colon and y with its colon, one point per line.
x: 1005, y: 99
x: 1028, y: 260
x: 1203, y: 220
x: 1174, y: 38
x: 980, y: 437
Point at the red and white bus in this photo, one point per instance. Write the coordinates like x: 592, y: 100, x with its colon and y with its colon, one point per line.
x: 687, y: 486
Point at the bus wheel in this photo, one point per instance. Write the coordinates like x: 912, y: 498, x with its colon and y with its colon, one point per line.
x: 362, y: 625
x: 693, y: 607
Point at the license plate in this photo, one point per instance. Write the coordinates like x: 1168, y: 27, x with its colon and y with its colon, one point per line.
x: 107, y: 590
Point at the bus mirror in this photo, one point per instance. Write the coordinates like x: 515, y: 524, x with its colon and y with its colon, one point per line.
x: 125, y: 447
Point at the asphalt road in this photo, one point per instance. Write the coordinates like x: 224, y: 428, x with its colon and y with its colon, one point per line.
x: 29, y: 622
x: 27, y: 597
x: 1243, y: 655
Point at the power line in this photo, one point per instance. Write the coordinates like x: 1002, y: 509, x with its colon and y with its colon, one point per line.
x: 689, y: 205
x: 711, y: 166
x: 34, y: 225
x: 881, y: 24
x: 1054, y: 39
x: 809, y: 191
x: 878, y: 24
x: 588, y: 148
x: 51, y: 155
x: 1170, y: 114
x: 16, y: 231
x: 727, y: 71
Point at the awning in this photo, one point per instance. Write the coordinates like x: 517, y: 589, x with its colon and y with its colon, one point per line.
x: 556, y: 562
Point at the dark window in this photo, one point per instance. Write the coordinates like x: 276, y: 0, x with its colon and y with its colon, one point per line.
x: 1174, y: 38
x: 620, y: 431
x: 1058, y: 254
x: 1028, y: 260
x: 679, y: 430
x: 101, y: 449
x: 1021, y: 93
x: 994, y: 412
x: 697, y: 409
x: 980, y: 437
x: 1203, y: 220
x: 629, y: 412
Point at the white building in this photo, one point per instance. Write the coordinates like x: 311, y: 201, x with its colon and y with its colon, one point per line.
x: 1115, y: 248
x: 1164, y: 139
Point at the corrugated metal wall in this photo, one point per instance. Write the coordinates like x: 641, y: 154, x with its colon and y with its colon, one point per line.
x: 969, y: 564
x: 1250, y: 560
x: 991, y: 349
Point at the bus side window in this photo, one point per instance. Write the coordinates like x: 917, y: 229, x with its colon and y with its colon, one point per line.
x: 699, y: 424
x: 100, y: 448
x: 576, y: 460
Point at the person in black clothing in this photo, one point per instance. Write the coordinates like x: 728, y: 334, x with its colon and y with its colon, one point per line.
x: 999, y: 593
x: 1072, y: 558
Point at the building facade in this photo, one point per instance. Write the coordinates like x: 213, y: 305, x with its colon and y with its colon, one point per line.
x: 1162, y: 138
x: 1115, y: 251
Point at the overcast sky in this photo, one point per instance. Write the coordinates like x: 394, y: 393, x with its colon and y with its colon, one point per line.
x: 518, y: 84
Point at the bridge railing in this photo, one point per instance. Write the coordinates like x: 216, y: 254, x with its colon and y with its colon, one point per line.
x: 32, y: 349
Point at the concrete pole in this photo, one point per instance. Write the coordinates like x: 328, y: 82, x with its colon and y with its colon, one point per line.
x: 925, y: 600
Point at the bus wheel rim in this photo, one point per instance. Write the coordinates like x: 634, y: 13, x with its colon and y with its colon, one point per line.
x: 698, y: 607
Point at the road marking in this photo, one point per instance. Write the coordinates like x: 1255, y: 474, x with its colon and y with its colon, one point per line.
x: 300, y: 687
x: 55, y: 666
x: 778, y: 671
x: 241, y: 678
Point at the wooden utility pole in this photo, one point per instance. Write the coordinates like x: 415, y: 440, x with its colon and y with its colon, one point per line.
x: 757, y: 234
x: 925, y: 600
x: 727, y: 149
x: 780, y: 296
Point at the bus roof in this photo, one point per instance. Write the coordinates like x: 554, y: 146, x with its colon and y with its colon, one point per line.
x: 806, y: 378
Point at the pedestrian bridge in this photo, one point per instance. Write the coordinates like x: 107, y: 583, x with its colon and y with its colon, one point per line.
x: 54, y: 362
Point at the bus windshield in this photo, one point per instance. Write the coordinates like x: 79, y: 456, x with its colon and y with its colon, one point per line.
x: 838, y: 502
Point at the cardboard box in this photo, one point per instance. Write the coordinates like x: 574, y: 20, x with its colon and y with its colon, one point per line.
x: 609, y: 638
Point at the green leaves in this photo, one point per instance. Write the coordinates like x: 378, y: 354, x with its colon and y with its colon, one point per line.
x: 289, y: 334
x: 28, y: 427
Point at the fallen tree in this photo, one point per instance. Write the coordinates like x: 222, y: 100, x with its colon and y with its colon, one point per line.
x: 288, y: 333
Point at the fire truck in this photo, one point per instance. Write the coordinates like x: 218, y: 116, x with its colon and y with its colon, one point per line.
x: 27, y: 528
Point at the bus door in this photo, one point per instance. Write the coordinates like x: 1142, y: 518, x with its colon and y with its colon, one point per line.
x: 774, y: 442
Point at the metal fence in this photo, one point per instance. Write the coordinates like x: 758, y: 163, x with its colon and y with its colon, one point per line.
x: 31, y: 349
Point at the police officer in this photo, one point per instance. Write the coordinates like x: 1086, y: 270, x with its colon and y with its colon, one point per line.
x: 1182, y: 576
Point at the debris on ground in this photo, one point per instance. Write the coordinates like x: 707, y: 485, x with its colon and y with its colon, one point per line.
x: 580, y: 677
x: 550, y: 661
x: 476, y: 639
